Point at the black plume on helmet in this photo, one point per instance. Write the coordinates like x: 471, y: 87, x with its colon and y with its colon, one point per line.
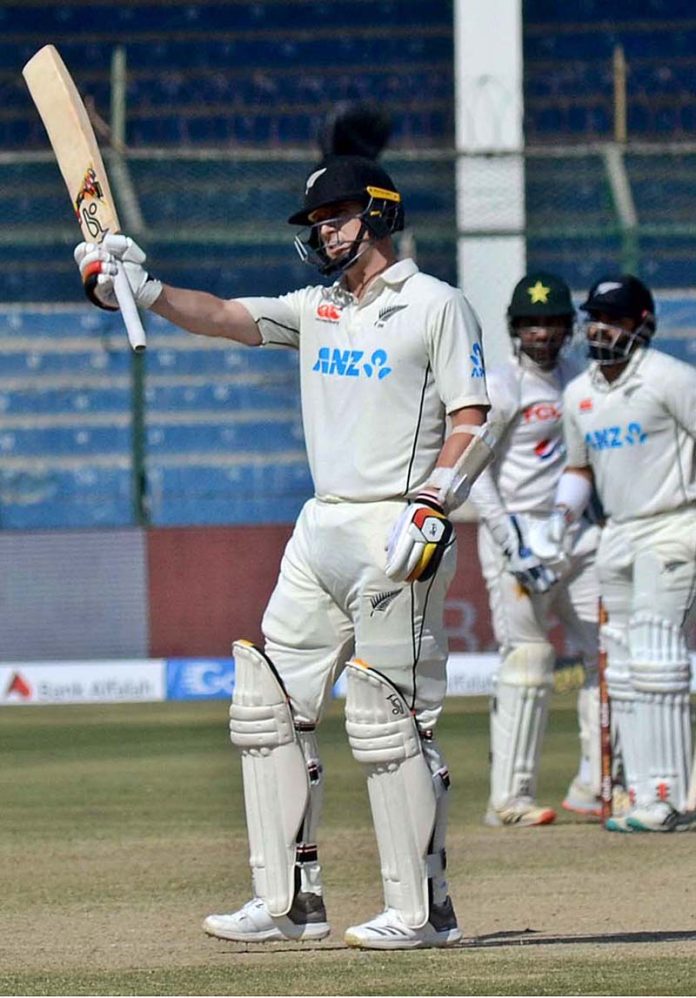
x: 351, y: 139
x: 355, y: 129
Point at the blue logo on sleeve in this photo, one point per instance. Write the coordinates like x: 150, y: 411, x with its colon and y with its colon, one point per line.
x: 352, y: 363
x: 614, y: 437
x: 478, y: 369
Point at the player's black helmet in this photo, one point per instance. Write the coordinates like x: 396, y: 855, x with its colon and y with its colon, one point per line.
x: 541, y: 301
x: 618, y: 297
x: 622, y: 297
x: 347, y: 178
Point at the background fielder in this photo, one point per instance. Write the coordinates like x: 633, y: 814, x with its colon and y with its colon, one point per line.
x: 514, y: 497
x: 630, y: 424
x: 386, y: 354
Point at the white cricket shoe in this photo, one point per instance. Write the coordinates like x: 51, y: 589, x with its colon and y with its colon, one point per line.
x: 519, y: 812
x: 581, y: 799
x: 254, y: 923
x: 389, y: 931
x: 658, y: 816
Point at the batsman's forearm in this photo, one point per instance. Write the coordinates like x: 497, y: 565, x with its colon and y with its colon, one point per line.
x: 468, y: 451
x: 207, y: 315
x: 456, y: 443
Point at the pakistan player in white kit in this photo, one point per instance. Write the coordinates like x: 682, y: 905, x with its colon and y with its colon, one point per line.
x: 514, y: 498
x: 386, y: 355
x: 630, y: 425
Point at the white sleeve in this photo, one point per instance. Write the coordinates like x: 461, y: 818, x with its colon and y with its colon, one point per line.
x: 278, y: 319
x: 456, y: 355
x: 681, y: 396
x: 503, y: 389
x: 577, y: 454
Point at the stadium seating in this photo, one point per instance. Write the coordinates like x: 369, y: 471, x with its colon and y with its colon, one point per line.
x: 263, y: 73
x: 222, y: 430
x: 223, y: 436
x: 258, y: 74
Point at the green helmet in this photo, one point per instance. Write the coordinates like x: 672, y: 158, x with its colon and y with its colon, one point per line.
x: 540, y: 293
x: 537, y: 299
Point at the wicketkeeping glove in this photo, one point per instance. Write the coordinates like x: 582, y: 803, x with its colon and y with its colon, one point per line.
x: 99, y: 263
x: 417, y: 542
x: 529, y: 570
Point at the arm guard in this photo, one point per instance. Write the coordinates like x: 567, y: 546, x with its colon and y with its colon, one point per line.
x: 451, y: 486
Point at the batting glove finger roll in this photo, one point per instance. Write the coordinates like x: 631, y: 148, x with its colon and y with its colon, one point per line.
x: 99, y: 265
x: 418, y: 541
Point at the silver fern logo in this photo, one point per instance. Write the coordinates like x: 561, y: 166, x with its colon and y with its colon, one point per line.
x: 387, y: 312
x: 381, y: 602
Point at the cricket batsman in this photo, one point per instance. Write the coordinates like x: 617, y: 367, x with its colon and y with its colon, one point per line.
x: 387, y: 354
x: 630, y: 426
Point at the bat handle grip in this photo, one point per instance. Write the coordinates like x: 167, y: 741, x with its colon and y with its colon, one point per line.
x: 129, y: 311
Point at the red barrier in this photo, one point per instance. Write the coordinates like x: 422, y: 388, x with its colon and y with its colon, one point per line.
x: 210, y: 585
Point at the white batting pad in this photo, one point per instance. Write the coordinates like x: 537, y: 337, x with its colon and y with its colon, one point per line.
x: 660, y: 673
x: 276, y: 787
x: 518, y: 721
x: 622, y: 697
x: 384, y: 737
x: 588, y: 718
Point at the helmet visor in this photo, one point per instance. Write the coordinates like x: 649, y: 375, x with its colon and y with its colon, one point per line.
x: 324, y: 243
x: 608, y: 343
x: 542, y: 340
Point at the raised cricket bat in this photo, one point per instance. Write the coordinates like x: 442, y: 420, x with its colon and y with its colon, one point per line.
x: 77, y: 154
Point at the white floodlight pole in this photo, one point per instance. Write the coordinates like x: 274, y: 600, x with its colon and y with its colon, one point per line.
x: 490, y: 162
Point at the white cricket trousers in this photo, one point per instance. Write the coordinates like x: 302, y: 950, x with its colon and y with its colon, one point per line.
x: 520, y: 618
x: 649, y: 566
x: 333, y: 600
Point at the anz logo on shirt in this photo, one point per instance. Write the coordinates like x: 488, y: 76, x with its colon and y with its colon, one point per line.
x: 352, y: 363
x: 611, y: 437
x: 476, y: 357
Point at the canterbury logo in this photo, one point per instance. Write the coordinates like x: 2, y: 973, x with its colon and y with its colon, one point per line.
x: 329, y: 313
x: 388, y: 312
x: 381, y: 601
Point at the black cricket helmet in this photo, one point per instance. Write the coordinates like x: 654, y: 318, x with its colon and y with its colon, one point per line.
x: 541, y: 300
x: 622, y: 296
x: 338, y: 179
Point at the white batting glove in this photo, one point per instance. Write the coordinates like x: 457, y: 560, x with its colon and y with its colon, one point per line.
x: 418, y: 541
x: 99, y: 264
x: 524, y: 563
x: 550, y: 540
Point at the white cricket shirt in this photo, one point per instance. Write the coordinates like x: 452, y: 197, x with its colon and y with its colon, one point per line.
x: 530, y: 456
x: 637, y: 434
x: 377, y: 377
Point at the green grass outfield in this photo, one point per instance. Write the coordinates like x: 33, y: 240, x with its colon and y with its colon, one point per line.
x: 121, y: 827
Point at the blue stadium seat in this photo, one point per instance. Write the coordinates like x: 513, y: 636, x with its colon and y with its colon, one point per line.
x: 245, y: 493
x: 249, y: 435
x: 38, y: 497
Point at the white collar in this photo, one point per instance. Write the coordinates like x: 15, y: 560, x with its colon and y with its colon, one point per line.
x: 397, y: 273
